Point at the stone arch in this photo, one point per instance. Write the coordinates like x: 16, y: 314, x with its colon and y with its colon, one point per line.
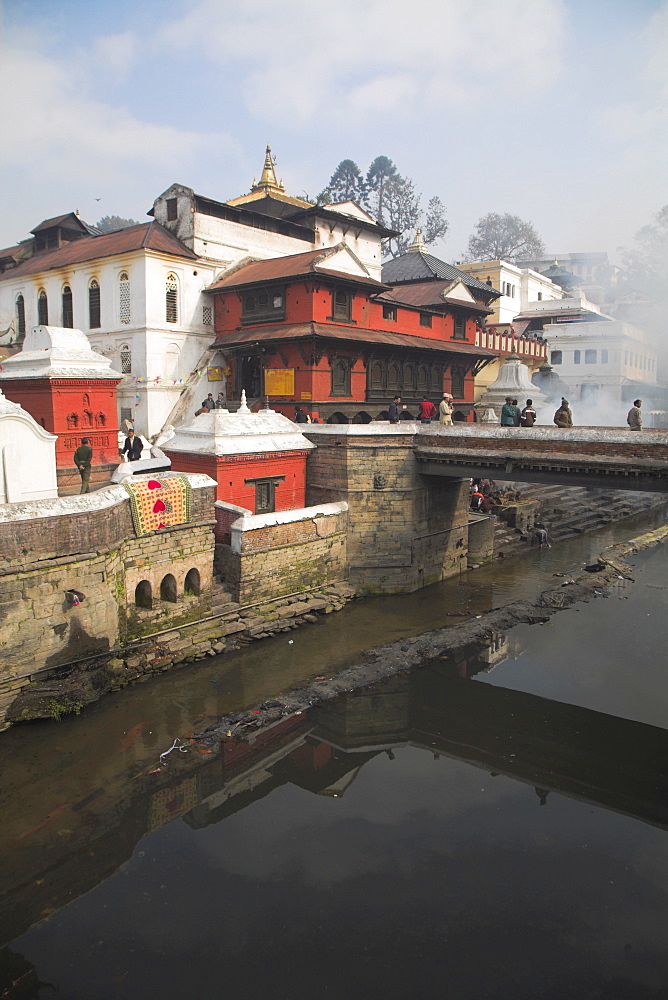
x: 361, y: 418
x: 406, y: 415
x: 459, y: 416
x: 168, y: 588
x: 144, y: 594
x: 191, y: 587
x: 338, y: 418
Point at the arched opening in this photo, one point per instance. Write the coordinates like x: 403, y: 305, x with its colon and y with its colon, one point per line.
x: 458, y: 415
x: 144, y: 595
x: 124, y: 297
x: 338, y: 418
x: 68, y: 307
x: 406, y: 415
x: 93, y: 304
x: 126, y: 360
x: 191, y: 587
x: 42, y: 308
x: 168, y: 589
x: 171, y: 299
x: 361, y: 418
x: 20, y: 316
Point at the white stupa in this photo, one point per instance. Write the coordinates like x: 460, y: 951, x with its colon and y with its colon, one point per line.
x: 513, y: 380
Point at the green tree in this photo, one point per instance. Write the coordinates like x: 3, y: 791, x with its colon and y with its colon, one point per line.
x: 345, y: 184
x: 110, y: 223
x: 390, y: 198
x: 503, y: 237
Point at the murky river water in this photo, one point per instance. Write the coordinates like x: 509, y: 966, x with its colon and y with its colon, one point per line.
x: 492, y: 825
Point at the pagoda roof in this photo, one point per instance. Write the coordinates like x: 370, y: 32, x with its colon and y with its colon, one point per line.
x: 313, y: 262
x: 351, y: 334
x: 416, y: 265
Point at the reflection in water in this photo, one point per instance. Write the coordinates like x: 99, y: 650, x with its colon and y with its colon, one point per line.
x: 345, y: 816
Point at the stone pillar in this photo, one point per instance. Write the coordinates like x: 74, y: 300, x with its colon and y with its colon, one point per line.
x: 406, y: 531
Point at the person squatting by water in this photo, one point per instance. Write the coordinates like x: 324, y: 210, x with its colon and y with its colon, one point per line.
x: 445, y: 410
x: 563, y: 417
x: 634, y: 416
x: 426, y: 411
x: 83, y: 457
x: 528, y: 415
x: 540, y: 534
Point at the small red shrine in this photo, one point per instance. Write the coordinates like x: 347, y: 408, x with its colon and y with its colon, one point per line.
x: 70, y: 390
x: 317, y: 330
x: 257, y: 459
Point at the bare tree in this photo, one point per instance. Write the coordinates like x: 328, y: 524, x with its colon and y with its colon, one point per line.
x: 503, y: 237
x: 647, y: 263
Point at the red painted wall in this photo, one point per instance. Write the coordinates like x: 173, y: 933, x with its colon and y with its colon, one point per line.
x: 55, y: 402
x: 231, y: 471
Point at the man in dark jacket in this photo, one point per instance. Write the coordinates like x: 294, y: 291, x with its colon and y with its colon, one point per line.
x: 508, y: 413
x: 528, y: 415
x: 209, y: 403
x: 83, y: 457
x: 393, y: 411
x: 133, y: 446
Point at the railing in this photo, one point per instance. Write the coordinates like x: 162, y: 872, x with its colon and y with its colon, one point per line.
x: 504, y: 343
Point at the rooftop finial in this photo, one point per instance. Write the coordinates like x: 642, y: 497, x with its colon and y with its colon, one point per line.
x: 418, y: 245
x: 268, y: 181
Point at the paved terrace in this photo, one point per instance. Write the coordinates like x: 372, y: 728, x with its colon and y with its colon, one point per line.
x: 603, y: 458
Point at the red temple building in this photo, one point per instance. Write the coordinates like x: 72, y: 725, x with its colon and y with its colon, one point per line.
x: 71, y: 391
x: 318, y: 330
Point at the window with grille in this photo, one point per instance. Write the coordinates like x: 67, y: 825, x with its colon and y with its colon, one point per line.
x: 172, y: 213
x: 68, y: 309
x: 93, y: 304
x: 460, y: 326
x: 458, y: 383
x: 124, y: 297
x: 171, y: 299
x: 126, y: 360
x: 265, y: 493
x: 42, y: 308
x: 20, y: 316
x: 425, y: 319
x: 207, y: 315
x: 341, y: 305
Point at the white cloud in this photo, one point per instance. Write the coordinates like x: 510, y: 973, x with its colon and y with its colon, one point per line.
x: 295, y: 61
x: 115, y: 54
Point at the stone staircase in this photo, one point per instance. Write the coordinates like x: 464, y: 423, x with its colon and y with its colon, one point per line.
x: 571, y: 511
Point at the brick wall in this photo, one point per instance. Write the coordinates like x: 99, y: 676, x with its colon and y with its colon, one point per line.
x: 305, y: 549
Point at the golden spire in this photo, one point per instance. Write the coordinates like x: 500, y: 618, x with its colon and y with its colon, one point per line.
x: 418, y: 245
x: 268, y: 180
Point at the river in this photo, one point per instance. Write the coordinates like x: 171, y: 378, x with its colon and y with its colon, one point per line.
x: 492, y: 825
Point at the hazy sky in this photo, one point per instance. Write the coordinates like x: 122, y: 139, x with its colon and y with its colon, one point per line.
x: 553, y: 110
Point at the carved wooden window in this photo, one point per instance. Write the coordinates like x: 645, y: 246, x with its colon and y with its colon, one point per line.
x: 126, y: 360
x: 423, y: 377
x: 340, y: 377
x: 341, y: 305
x: 376, y: 375
x: 263, y: 304
x: 124, y: 297
x: 409, y: 377
x: 20, y: 315
x: 460, y: 326
x: 42, y: 308
x: 93, y: 304
x: 264, y: 497
x: 393, y: 376
x: 171, y: 299
x: 436, y: 378
x: 68, y: 308
x: 425, y: 319
x: 458, y: 383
